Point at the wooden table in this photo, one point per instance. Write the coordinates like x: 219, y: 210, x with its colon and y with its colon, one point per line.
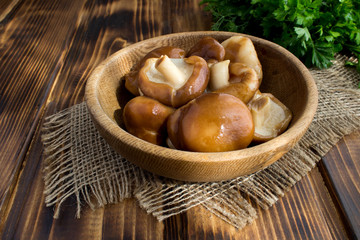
x: 47, y: 51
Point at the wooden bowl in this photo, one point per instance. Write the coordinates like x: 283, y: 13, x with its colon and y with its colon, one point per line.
x: 284, y: 76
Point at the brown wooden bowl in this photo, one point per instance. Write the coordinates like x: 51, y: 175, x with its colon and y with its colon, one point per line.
x: 284, y: 76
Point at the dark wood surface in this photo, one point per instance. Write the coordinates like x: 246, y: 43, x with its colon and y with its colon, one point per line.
x: 47, y: 51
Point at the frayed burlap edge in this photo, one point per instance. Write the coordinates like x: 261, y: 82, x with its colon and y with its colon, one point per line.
x: 79, y: 163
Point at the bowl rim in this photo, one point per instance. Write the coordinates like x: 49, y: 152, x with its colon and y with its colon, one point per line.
x: 111, y: 128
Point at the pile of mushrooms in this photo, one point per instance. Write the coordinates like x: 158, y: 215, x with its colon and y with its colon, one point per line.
x: 205, y: 100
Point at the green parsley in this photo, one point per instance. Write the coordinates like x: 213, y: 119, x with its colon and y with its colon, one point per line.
x: 313, y: 30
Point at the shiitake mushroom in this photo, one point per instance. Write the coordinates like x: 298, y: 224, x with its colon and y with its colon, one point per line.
x: 213, y: 122
x: 131, y: 79
x: 173, y: 82
x: 271, y: 117
x: 146, y: 118
x: 209, y: 49
x: 236, y: 79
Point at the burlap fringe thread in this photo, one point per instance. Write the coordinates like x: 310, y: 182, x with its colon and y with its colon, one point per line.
x: 80, y: 163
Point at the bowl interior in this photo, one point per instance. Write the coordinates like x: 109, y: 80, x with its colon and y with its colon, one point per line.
x: 284, y: 76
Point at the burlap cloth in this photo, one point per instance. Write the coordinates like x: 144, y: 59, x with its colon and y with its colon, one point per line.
x: 78, y: 162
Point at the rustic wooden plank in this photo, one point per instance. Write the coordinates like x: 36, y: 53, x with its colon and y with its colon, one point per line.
x: 32, y: 42
x: 127, y: 221
x: 29, y: 218
x: 305, y: 212
x: 7, y: 8
x: 102, y: 28
x: 341, y: 169
x: 285, y: 220
x: 26, y: 217
x: 87, y: 227
x: 325, y: 201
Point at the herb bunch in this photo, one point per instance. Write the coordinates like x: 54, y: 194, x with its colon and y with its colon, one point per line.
x: 313, y: 30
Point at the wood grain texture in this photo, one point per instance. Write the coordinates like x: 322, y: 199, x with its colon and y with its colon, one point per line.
x: 7, y: 8
x: 32, y: 41
x: 48, y: 49
x: 285, y: 220
x: 305, y: 212
x: 341, y: 170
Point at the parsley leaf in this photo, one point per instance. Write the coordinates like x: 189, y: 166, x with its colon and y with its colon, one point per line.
x: 313, y: 30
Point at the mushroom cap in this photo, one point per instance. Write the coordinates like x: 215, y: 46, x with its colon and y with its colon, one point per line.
x: 131, y: 83
x: 271, y: 117
x: 243, y: 82
x: 170, y: 51
x: 131, y: 79
x: 213, y: 122
x: 146, y: 118
x: 242, y: 50
x: 209, y: 49
x: 194, y: 86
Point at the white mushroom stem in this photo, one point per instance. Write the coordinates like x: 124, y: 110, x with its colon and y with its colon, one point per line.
x: 172, y: 74
x: 219, y: 75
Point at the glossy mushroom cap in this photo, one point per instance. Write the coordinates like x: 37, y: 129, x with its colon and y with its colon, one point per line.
x: 146, y: 118
x: 174, y: 82
x: 209, y: 49
x: 170, y: 51
x: 131, y: 83
x: 213, y: 122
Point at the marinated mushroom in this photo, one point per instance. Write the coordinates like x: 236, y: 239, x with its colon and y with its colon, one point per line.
x: 131, y: 82
x: 209, y: 49
x: 241, y: 49
x: 271, y: 117
x: 213, y: 122
x: 173, y: 82
x: 146, y: 118
x: 170, y: 51
x: 131, y: 79
x: 236, y: 79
